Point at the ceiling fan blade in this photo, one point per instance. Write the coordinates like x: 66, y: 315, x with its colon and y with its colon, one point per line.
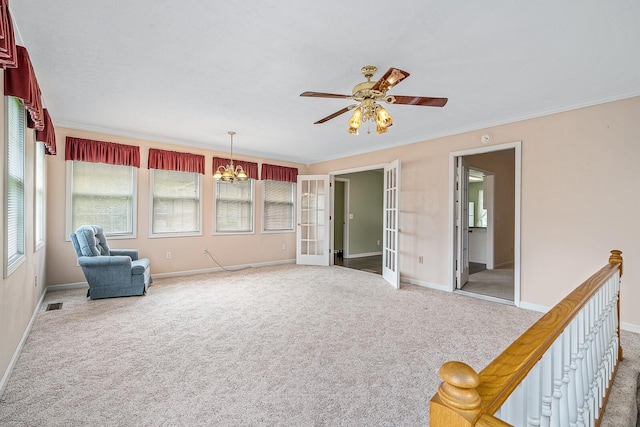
x: 392, y: 77
x: 324, y: 95
x: 420, y: 100
x: 336, y: 114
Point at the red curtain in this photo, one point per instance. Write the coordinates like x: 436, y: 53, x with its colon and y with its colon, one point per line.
x: 279, y: 173
x: 175, y: 161
x: 7, y: 39
x: 250, y: 168
x: 87, y: 150
x: 47, y: 135
x: 21, y: 82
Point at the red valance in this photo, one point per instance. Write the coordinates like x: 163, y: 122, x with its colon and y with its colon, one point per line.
x: 7, y: 39
x: 175, y: 161
x: 21, y: 82
x: 250, y: 168
x: 47, y: 135
x: 279, y: 173
x: 87, y: 150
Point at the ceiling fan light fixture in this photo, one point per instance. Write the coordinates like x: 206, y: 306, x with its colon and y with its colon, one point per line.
x: 356, y: 118
x: 380, y: 129
x: 368, y: 94
x: 383, y: 118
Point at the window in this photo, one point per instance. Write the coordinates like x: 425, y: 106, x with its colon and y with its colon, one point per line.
x: 278, y: 209
x: 104, y: 195
x: 38, y: 206
x: 14, y: 190
x: 234, y: 207
x: 176, y: 202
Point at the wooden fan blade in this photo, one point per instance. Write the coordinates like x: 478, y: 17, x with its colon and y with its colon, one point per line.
x: 336, y: 114
x: 392, y: 77
x: 420, y: 100
x: 324, y: 95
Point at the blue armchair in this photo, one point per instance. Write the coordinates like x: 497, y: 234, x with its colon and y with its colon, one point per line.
x: 109, y: 272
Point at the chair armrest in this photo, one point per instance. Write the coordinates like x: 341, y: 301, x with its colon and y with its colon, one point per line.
x: 104, y: 260
x: 131, y: 253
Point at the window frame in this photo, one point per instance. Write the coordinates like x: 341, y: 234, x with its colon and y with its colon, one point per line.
x: 39, y: 198
x: 293, y: 207
x: 12, y: 263
x: 153, y: 234
x: 134, y: 202
x: 215, y: 210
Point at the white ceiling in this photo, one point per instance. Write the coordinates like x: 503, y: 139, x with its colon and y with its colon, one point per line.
x: 188, y: 71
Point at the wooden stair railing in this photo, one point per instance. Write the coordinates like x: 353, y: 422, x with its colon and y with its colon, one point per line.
x: 558, y: 373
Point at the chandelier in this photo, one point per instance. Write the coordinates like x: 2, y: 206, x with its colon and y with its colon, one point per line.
x: 229, y: 173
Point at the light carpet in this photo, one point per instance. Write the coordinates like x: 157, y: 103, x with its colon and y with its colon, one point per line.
x: 273, y: 346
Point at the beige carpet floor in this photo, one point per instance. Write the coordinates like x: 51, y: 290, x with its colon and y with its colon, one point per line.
x: 273, y: 346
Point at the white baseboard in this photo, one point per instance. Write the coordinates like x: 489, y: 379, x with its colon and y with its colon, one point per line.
x: 18, y: 350
x: 77, y: 285
x: 425, y: 284
x: 363, y: 255
x: 630, y: 327
x: 534, y: 307
x: 217, y: 269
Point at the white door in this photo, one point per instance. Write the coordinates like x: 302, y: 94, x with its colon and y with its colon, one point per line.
x: 313, y: 231
x: 390, y: 248
x: 462, y: 223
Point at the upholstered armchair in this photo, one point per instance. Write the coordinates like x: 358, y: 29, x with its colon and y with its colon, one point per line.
x: 109, y: 272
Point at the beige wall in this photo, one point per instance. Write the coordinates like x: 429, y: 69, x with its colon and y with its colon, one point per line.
x: 579, y: 179
x: 187, y: 253
x: 21, y: 291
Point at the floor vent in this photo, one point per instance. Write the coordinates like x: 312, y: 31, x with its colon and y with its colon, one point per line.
x: 54, y: 306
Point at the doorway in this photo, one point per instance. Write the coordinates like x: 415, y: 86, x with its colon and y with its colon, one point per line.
x: 358, y: 220
x: 485, y: 222
x: 316, y: 228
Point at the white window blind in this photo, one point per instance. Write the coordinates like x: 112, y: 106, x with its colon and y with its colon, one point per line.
x: 15, y: 184
x: 278, y: 209
x: 176, y: 202
x: 234, y: 207
x: 103, y: 194
x: 39, y: 196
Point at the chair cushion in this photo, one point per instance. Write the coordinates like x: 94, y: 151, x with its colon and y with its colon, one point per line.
x: 92, y: 241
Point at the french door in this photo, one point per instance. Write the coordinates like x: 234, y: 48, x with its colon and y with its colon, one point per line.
x: 313, y: 227
x: 390, y: 238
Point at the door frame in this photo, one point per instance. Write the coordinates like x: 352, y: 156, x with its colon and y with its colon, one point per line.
x: 517, y: 146
x: 345, y: 230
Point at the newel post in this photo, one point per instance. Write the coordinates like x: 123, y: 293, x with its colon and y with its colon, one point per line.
x: 616, y: 258
x: 457, y: 402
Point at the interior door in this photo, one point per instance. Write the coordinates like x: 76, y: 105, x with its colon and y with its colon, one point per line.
x: 390, y: 252
x: 462, y: 223
x: 313, y: 230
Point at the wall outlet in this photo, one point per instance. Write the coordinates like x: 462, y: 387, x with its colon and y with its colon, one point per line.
x: 168, y: 255
x: 378, y: 243
x: 35, y: 281
x: 284, y: 246
x: 420, y: 259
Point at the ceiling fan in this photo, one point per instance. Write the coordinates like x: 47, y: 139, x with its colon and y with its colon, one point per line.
x: 368, y: 95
